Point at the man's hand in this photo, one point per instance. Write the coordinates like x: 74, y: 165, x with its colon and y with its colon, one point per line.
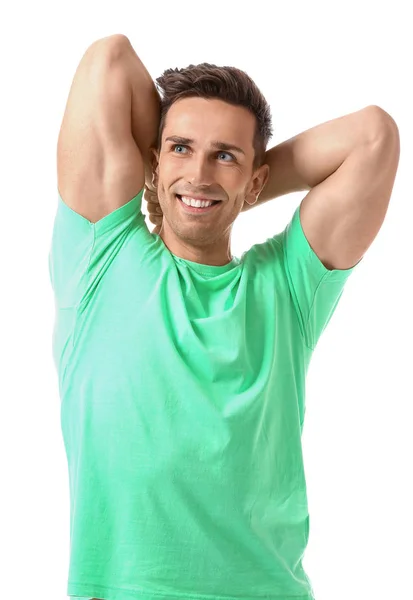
x: 154, y: 208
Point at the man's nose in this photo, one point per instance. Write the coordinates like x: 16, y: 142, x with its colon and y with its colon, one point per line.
x: 200, y: 172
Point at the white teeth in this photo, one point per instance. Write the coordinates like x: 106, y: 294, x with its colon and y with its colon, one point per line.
x: 196, y: 203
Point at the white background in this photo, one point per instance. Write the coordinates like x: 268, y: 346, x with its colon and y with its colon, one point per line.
x: 313, y: 61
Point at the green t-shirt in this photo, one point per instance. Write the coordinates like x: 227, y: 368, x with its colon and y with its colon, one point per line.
x: 182, y: 390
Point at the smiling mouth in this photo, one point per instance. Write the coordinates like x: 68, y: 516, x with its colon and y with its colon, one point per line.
x: 196, y: 209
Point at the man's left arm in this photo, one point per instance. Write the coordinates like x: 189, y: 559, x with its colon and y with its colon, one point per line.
x: 349, y: 166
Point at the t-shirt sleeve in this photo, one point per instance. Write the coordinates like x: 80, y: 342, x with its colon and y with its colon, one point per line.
x: 315, y: 290
x: 81, y: 251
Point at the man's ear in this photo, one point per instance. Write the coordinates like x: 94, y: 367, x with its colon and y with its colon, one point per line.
x: 258, y: 182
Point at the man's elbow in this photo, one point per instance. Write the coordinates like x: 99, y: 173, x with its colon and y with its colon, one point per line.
x: 381, y: 124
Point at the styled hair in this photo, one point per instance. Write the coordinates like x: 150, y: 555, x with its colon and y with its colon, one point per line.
x: 224, y: 83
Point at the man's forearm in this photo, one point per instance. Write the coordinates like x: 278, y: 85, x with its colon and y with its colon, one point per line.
x: 300, y: 163
x: 145, y: 107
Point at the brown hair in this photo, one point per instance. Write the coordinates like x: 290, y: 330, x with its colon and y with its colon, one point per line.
x: 225, y: 83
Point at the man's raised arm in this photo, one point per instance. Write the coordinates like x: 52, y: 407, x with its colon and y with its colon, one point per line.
x: 349, y: 166
x: 145, y: 106
x: 305, y: 160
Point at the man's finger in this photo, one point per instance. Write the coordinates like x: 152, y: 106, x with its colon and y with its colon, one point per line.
x: 150, y: 196
x: 155, y: 219
x: 153, y: 205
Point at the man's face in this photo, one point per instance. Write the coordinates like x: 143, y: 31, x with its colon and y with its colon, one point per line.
x: 197, y: 168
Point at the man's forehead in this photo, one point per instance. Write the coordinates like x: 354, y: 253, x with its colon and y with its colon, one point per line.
x: 211, y: 124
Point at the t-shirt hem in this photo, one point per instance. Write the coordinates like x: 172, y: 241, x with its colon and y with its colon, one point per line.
x: 89, y: 591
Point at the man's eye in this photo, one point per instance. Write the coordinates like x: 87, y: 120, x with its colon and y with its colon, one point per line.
x: 220, y: 152
x: 228, y: 154
x: 178, y: 146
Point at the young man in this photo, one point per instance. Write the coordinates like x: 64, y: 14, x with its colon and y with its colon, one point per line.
x: 181, y: 367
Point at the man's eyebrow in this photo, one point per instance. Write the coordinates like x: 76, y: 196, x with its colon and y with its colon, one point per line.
x: 215, y: 144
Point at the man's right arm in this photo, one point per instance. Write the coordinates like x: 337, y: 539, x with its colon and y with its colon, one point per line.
x: 145, y: 106
x: 111, y: 120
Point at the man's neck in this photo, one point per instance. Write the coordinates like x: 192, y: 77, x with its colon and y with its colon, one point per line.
x: 217, y: 254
